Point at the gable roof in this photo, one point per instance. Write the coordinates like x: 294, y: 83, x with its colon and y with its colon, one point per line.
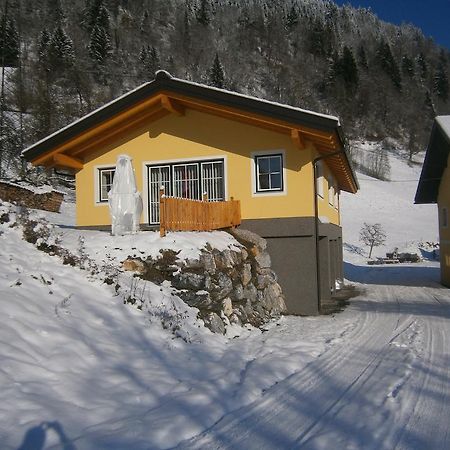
x: 435, y: 161
x: 165, y: 95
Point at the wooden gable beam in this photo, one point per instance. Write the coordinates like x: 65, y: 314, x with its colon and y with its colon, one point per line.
x: 172, y: 105
x: 297, y: 139
x: 129, y: 126
x: 63, y: 160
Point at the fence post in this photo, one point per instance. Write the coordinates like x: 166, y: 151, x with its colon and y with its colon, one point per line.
x: 162, y: 212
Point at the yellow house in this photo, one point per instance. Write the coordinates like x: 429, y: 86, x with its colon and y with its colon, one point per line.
x: 191, y: 139
x: 434, y: 186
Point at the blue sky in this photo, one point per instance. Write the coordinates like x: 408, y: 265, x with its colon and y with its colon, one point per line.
x: 432, y: 16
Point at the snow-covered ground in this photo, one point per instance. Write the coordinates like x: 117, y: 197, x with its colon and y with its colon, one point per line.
x: 79, y: 369
x: 390, y: 203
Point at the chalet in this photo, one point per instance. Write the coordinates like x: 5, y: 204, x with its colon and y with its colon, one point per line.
x: 434, y: 186
x: 286, y: 166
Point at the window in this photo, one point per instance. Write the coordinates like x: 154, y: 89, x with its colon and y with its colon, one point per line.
x: 331, y: 191
x: 213, y: 180
x: 336, y: 198
x: 269, y: 173
x: 105, y: 177
x: 185, y: 180
x: 444, y: 217
x: 319, y: 179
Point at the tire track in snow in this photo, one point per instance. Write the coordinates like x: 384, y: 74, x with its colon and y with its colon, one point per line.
x: 322, y: 384
x: 359, y: 394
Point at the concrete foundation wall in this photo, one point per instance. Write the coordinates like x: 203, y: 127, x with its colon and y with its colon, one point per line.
x: 291, y: 245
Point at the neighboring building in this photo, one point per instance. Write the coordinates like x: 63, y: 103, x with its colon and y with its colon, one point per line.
x: 193, y: 138
x: 434, y: 186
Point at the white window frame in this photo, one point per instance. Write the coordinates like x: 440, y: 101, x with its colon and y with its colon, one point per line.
x: 198, y: 159
x: 254, y: 173
x: 98, y: 201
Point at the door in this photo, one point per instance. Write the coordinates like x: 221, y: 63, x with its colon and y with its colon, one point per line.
x: 158, y: 176
x: 185, y: 180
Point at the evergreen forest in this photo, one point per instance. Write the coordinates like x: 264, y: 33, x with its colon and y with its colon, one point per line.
x: 61, y: 59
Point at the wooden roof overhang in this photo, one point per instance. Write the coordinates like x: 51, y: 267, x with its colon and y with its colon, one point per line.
x: 70, y: 146
x: 435, y: 162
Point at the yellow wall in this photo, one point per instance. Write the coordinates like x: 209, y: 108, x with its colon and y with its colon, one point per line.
x: 444, y: 232
x: 202, y: 136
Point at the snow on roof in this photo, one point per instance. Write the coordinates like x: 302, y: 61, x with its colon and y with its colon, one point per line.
x: 444, y: 122
x: 250, y: 97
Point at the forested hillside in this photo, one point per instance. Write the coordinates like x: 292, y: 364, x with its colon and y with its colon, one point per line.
x: 65, y: 58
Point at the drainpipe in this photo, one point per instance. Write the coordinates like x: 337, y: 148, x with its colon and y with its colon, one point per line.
x: 316, y: 220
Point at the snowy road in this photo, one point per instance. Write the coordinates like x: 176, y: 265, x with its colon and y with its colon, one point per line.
x: 383, y: 384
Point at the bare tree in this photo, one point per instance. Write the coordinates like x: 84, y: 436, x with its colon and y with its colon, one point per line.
x: 372, y: 235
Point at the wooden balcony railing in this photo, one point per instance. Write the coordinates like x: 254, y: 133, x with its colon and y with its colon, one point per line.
x: 182, y: 214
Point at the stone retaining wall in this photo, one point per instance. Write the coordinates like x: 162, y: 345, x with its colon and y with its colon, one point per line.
x: 14, y: 193
x: 230, y: 286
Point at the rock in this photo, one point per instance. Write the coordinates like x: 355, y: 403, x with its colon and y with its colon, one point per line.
x: 207, y: 262
x: 265, y: 278
x: 234, y: 318
x: 227, y: 306
x: 193, y: 264
x: 214, y: 323
x: 248, y: 238
x: 238, y: 292
x: 199, y: 299
x: 133, y: 265
x: 188, y: 280
x: 271, y: 299
x: 246, y: 274
x: 251, y: 293
x: 222, y: 286
x: 263, y: 260
x: 223, y: 260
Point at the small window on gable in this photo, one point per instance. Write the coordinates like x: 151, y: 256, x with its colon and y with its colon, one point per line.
x: 105, y: 181
x: 444, y: 217
x: 269, y: 173
x: 336, y: 198
x: 320, y: 178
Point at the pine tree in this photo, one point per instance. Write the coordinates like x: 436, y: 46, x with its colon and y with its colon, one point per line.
x: 348, y: 69
x: 388, y: 64
x: 99, y: 46
x: 55, y: 12
x: 407, y: 66
x: 149, y: 59
x: 362, y: 58
x: 90, y: 14
x: 216, y: 74
x: 441, y: 87
x: 429, y: 106
x: 292, y: 18
x: 103, y: 20
x: 9, y: 43
x: 43, y: 47
x: 60, y: 50
x: 203, y: 13
x: 423, y: 68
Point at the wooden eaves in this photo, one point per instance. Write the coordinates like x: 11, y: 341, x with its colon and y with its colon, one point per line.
x: 166, y: 95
